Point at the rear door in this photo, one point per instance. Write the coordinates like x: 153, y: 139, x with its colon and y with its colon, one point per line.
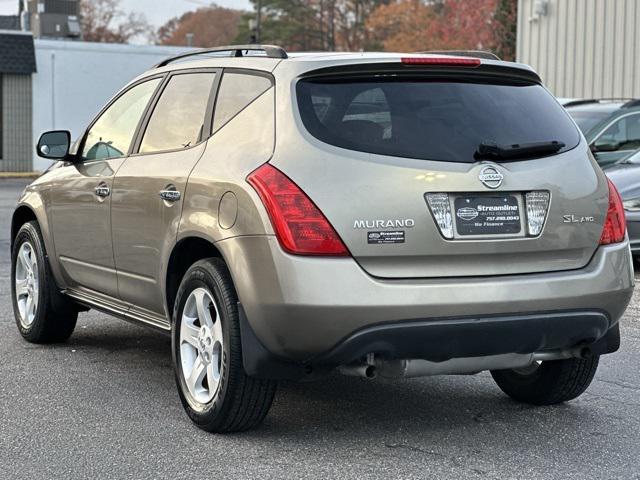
x: 149, y: 188
x: 392, y: 162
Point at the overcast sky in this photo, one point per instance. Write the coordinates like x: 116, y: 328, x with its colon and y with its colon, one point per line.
x: 156, y: 11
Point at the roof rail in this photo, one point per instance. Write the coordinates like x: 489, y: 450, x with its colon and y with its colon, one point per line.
x: 271, y: 51
x: 632, y: 103
x: 465, y: 53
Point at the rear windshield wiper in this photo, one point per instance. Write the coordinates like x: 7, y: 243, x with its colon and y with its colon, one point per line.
x: 496, y: 151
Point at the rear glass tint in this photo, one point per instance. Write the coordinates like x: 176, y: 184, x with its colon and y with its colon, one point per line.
x: 431, y: 120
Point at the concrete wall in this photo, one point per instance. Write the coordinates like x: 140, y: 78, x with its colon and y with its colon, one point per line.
x: 76, y: 79
x: 583, y: 48
x: 16, y: 123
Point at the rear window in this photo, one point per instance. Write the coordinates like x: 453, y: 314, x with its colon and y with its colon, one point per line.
x: 431, y: 120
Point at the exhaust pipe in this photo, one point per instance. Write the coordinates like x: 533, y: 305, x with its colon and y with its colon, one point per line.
x: 455, y: 366
x: 409, y: 368
x: 361, y: 370
x: 577, y: 352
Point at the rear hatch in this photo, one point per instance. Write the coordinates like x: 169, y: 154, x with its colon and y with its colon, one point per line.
x: 447, y: 171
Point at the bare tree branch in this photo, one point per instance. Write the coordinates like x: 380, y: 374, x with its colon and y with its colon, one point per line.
x: 104, y: 21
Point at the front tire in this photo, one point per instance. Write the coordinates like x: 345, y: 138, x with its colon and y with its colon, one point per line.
x: 214, y: 389
x: 550, y: 382
x: 42, y: 313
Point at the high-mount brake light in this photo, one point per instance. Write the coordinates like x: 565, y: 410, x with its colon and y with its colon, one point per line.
x: 300, y: 226
x: 442, y: 61
x: 615, y: 224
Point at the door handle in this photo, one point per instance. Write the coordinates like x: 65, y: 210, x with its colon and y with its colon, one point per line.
x: 102, y: 190
x: 170, y: 194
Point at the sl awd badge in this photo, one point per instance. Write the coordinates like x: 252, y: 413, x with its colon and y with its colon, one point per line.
x: 577, y: 219
x: 490, y: 177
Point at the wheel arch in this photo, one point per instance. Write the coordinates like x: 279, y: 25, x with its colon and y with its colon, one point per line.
x: 21, y: 215
x: 32, y: 208
x: 185, y: 253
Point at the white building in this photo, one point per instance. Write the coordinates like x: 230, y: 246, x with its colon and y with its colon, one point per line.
x: 582, y: 48
x: 74, y: 80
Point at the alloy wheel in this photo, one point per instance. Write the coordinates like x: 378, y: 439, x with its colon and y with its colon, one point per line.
x: 26, y: 284
x: 201, y: 346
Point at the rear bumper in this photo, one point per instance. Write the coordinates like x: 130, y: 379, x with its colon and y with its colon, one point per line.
x: 439, y: 340
x: 301, y: 308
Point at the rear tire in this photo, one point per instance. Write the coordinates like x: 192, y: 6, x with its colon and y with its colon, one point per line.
x: 214, y: 389
x: 42, y: 313
x: 550, y: 383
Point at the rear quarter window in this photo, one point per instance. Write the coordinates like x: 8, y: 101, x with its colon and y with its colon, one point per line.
x: 237, y: 91
x: 178, y: 117
x: 431, y: 119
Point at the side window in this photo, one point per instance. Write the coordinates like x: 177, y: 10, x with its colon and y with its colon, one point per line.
x: 111, y: 135
x: 623, y: 134
x: 178, y: 117
x: 237, y: 90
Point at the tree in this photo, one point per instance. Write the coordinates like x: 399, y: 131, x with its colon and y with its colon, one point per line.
x: 350, y: 23
x: 392, y: 25
x: 312, y: 24
x: 506, y: 19
x: 466, y: 24
x: 103, y: 21
x: 293, y: 24
x: 402, y: 26
x: 210, y: 26
x: 419, y: 25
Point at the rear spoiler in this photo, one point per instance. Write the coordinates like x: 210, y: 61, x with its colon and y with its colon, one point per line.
x: 464, y: 53
x: 488, y: 69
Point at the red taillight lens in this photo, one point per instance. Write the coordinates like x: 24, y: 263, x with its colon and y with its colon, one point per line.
x: 615, y: 225
x: 442, y: 61
x: 300, y: 226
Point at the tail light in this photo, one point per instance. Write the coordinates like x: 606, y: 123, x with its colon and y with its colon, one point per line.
x: 442, y: 61
x: 615, y: 225
x: 300, y: 226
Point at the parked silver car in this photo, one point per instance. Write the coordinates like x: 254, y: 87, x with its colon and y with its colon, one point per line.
x: 625, y: 175
x: 285, y: 216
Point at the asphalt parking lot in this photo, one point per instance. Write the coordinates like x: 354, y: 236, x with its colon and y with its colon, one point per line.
x: 104, y: 405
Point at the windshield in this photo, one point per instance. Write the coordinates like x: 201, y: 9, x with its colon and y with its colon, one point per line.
x: 432, y: 120
x: 587, y: 120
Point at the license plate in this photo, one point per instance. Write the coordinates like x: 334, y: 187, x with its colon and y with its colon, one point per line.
x: 487, y: 215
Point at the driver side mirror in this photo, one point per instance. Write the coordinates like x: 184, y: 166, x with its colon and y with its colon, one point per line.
x: 54, y: 145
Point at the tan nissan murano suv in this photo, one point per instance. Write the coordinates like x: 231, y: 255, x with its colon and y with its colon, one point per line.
x: 285, y: 216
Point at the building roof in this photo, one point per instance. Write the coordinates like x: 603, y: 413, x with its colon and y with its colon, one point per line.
x: 9, y: 22
x: 17, y: 53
